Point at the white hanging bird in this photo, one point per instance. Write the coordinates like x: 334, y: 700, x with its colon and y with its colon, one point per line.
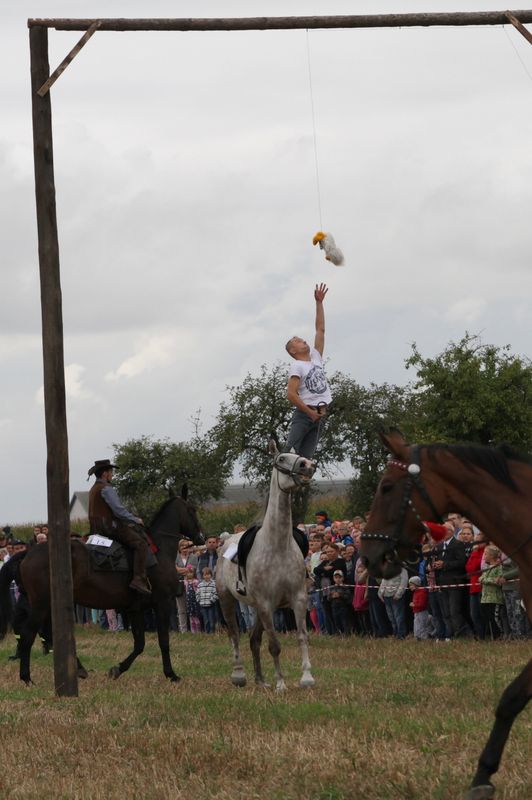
x: 327, y: 243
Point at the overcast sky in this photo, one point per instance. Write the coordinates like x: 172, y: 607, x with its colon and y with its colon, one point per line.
x: 187, y: 202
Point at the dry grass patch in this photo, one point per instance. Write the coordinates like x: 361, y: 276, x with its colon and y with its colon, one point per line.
x: 386, y: 719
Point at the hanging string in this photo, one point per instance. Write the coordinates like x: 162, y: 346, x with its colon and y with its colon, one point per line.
x: 516, y: 51
x: 318, y: 193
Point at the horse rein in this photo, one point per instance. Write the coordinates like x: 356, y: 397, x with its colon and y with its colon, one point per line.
x: 413, y: 479
x: 296, y: 477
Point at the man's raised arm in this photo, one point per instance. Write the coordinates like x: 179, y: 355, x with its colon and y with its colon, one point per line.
x: 319, y: 296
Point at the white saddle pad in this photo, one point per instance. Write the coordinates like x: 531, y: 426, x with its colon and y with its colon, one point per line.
x: 231, y: 551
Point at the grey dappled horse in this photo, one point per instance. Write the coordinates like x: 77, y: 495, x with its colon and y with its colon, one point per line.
x: 275, y: 574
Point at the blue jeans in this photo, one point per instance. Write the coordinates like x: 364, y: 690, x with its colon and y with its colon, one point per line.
x: 208, y: 615
x: 303, y: 434
x: 396, y: 614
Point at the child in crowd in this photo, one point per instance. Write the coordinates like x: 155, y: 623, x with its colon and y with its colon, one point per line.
x: 193, y: 609
x: 420, y: 606
x: 207, y: 597
x: 360, y: 600
x: 492, y: 598
x: 339, y: 597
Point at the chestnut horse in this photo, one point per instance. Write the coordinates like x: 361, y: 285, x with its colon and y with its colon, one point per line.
x: 98, y: 589
x: 493, y: 487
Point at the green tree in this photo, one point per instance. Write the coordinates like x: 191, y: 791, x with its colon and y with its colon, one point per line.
x: 361, y: 411
x: 149, y: 470
x: 258, y: 410
x: 473, y: 392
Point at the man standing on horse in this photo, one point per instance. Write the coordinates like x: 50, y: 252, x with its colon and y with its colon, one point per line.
x: 109, y: 517
x: 308, y: 389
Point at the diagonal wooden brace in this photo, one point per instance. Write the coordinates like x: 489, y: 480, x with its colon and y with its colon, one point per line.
x: 519, y: 26
x: 70, y: 57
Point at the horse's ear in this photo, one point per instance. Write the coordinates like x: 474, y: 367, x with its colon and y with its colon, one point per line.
x: 395, y: 443
x: 272, y: 448
x: 184, y: 491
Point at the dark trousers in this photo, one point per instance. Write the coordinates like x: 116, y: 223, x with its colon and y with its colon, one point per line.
x: 451, y: 604
x: 436, y: 611
x: 479, y: 625
x: 340, y: 615
x: 127, y: 535
x: 489, y: 612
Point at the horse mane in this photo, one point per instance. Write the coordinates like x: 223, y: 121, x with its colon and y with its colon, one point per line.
x: 493, y: 460
x: 163, y: 508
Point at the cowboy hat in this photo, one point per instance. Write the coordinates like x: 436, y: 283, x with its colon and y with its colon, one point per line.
x: 101, y: 465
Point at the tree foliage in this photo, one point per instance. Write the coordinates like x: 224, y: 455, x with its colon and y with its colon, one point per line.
x: 473, y: 392
x: 469, y: 392
x: 150, y: 470
x: 258, y: 410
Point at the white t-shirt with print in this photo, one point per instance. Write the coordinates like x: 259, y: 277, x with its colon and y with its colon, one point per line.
x: 313, y: 386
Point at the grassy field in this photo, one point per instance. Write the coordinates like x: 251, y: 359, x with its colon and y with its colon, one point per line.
x: 386, y: 719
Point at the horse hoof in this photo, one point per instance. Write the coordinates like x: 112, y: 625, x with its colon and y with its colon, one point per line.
x: 114, y: 673
x: 174, y: 678
x: 82, y: 673
x: 281, y: 687
x: 484, y: 792
x: 27, y: 681
x: 307, y: 683
x: 238, y: 680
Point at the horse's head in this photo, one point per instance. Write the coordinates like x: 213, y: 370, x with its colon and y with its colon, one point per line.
x: 395, y: 528
x: 178, y: 518
x: 291, y: 469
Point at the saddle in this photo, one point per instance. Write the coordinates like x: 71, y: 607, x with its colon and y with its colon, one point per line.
x: 106, y: 555
x: 246, y: 543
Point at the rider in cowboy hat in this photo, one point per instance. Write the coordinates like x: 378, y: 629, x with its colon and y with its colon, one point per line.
x: 109, y: 517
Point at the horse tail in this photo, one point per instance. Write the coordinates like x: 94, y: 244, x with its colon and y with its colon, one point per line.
x: 8, y: 573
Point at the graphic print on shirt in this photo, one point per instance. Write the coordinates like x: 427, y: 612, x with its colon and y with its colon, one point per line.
x: 316, y: 382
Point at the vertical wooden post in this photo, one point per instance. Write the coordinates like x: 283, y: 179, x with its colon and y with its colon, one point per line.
x: 65, y: 670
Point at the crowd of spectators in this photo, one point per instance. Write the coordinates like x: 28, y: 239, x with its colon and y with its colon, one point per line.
x: 464, y: 586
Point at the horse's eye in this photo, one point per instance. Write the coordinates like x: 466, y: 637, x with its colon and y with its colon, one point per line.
x: 281, y: 458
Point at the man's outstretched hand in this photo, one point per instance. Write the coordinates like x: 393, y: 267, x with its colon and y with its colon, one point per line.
x: 320, y: 292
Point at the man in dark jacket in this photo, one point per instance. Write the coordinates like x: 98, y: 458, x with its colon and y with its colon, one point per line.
x: 208, y: 558
x: 449, y: 566
x: 109, y: 517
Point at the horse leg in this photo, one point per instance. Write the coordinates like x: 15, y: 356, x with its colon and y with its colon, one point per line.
x: 28, y: 632
x: 163, y: 636
x: 136, y: 619
x: 513, y: 701
x: 300, y: 613
x: 255, y: 640
x: 228, y: 606
x: 275, y: 651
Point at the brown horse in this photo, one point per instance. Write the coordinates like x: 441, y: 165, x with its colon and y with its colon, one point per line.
x: 493, y: 487
x: 95, y: 589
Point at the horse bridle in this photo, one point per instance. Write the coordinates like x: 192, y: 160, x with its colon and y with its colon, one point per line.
x: 291, y: 471
x: 413, y: 480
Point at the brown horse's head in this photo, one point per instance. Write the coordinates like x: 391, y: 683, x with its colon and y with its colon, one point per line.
x: 402, y: 501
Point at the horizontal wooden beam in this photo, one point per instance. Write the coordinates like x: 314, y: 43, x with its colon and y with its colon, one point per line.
x: 288, y: 23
